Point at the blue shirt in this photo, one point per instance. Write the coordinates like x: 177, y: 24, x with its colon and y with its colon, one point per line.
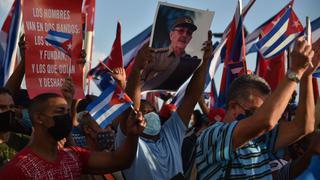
x: 313, y: 171
x: 215, y: 151
x: 158, y: 159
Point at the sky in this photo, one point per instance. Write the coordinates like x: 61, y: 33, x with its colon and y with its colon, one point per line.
x: 136, y: 15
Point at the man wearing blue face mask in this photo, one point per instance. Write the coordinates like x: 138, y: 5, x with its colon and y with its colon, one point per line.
x: 239, y: 147
x: 159, y: 148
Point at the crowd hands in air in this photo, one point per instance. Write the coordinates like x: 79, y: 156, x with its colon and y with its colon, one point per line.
x: 59, y: 139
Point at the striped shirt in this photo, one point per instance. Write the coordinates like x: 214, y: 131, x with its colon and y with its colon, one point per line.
x: 215, y: 153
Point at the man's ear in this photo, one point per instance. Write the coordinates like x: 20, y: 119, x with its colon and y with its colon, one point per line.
x: 170, y: 35
x: 37, y: 119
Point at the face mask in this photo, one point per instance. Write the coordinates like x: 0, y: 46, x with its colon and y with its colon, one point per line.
x: 62, y: 127
x: 153, y: 124
x: 5, y: 119
x: 106, y: 140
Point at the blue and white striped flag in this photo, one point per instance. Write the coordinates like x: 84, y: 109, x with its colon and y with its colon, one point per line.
x: 9, y: 37
x: 61, y: 41
x: 109, y: 105
x: 285, y: 31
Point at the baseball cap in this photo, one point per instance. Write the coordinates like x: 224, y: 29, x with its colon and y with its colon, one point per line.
x: 185, y: 21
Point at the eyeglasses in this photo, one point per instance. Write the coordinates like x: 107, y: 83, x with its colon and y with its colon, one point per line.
x: 183, y: 30
x: 248, y: 112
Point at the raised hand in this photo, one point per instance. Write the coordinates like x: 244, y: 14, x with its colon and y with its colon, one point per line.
x: 22, y: 47
x: 207, y: 47
x: 302, y: 55
x: 67, y: 90
x: 144, y: 56
x: 135, y: 123
x: 119, y: 74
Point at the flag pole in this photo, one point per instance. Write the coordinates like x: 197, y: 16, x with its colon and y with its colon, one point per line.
x: 308, y: 34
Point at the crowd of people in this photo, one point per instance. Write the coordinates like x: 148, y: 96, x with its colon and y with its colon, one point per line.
x: 53, y: 136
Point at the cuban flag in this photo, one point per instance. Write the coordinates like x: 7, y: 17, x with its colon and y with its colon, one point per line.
x: 9, y: 37
x: 109, y: 105
x: 254, y: 36
x: 284, y: 32
x: 131, y: 48
x: 315, y: 28
x: 220, y: 51
x: 114, y: 60
x: 61, y: 41
x: 234, y: 63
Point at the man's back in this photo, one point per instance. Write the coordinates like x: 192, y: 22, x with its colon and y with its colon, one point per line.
x: 216, y: 157
x: 69, y: 164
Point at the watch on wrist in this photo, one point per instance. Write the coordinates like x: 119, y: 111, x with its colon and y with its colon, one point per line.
x: 293, y: 76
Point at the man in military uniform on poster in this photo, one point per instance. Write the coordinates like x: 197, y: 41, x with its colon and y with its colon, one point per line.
x: 166, y: 70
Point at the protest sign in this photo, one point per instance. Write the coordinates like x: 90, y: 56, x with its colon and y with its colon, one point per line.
x: 177, y: 36
x: 47, y: 66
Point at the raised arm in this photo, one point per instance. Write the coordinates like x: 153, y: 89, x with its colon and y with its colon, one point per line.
x: 304, y: 120
x: 267, y: 116
x: 106, y: 162
x: 196, y: 85
x: 133, y: 88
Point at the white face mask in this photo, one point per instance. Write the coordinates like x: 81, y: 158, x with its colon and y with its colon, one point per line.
x: 153, y: 124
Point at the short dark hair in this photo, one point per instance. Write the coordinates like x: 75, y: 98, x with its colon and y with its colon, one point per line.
x: 146, y: 104
x: 38, y: 104
x: 240, y: 87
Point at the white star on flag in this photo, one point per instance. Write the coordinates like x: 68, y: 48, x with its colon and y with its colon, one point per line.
x: 69, y: 46
x: 121, y: 95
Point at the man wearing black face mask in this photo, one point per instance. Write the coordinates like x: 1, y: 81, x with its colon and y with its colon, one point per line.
x: 239, y: 147
x: 10, y: 143
x: 41, y: 159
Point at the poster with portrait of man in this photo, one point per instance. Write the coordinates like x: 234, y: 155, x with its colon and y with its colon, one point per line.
x: 177, y: 36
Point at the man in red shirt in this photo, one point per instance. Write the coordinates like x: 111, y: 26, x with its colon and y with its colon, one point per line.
x: 41, y: 159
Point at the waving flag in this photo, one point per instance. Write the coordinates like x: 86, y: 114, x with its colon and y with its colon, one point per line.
x: 9, y: 37
x: 61, y: 41
x: 315, y: 28
x: 285, y: 31
x: 110, y: 104
x: 234, y: 63
x: 112, y: 61
x: 131, y: 48
x: 272, y: 70
x: 220, y: 50
x: 315, y: 36
x: 263, y: 29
